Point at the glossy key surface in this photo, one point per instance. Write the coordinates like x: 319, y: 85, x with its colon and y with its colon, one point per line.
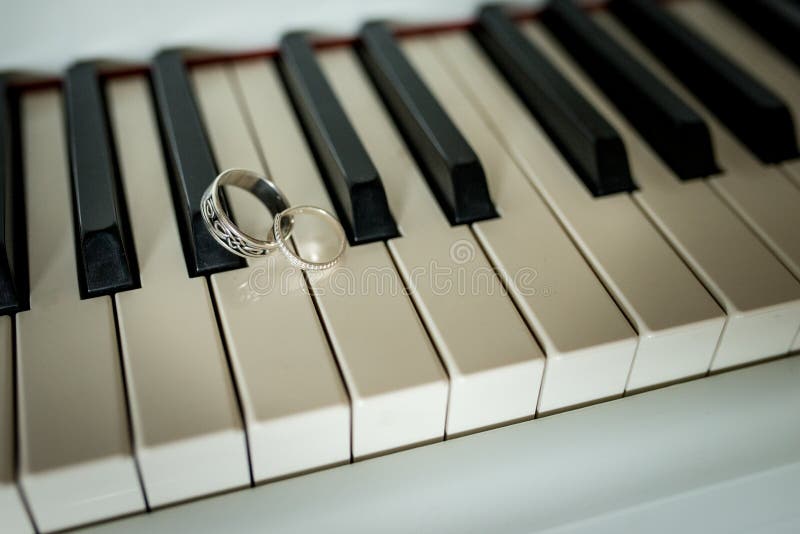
x: 585, y: 139
x: 14, y: 284
x: 12, y: 508
x: 191, y: 164
x: 105, y: 253
x: 454, y: 172
x: 350, y: 175
x: 756, y: 115
x: 778, y: 21
x: 671, y: 127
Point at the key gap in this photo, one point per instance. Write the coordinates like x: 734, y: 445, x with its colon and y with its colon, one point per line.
x: 789, y: 175
x: 662, y: 234
x: 408, y: 292
x: 123, y: 376
x: 739, y: 215
x: 503, y: 283
x: 510, y: 295
x: 231, y: 376
x: 630, y: 369
x: 328, y: 340
x: 674, y: 249
x: 17, y: 446
x: 233, y: 81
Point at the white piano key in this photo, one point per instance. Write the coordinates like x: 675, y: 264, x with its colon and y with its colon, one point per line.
x: 12, y: 510
x: 188, y: 434
x: 295, y: 405
x: 397, y: 386
x: 760, y: 194
x: 589, y: 345
x: 494, y: 363
x: 76, y: 464
x: 678, y: 322
x: 760, y: 296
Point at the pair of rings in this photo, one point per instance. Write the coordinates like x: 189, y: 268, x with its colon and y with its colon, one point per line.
x: 234, y: 239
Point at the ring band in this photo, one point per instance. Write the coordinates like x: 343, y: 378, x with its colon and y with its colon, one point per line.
x: 225, y: 231
x: 281, y: 236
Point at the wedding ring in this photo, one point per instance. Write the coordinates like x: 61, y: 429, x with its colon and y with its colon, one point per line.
x: 280, y: 237
x: 225, y: 231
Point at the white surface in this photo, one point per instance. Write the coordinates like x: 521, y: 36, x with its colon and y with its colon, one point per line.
x: 494, y: 364
x: 187, y: 429
x: 46, y: 35
x: 397, y: 387
x: 760, y: 296
x: 651, y: 462
x: 295, y: 405
x: 588, y: 342
x: 76, y: 464
x: 12, y: 510
x: 677, y: 320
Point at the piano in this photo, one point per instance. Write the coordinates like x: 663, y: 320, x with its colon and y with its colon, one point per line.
x: 570, y: 301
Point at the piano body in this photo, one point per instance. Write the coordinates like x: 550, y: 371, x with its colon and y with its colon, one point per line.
x: 571, y: 300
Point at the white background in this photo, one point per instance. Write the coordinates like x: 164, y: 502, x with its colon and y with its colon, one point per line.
x: 48, y: 35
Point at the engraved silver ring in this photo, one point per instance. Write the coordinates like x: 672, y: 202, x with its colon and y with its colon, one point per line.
x: 225, y: 231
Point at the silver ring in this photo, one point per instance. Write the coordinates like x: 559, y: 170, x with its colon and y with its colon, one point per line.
x: 281, y: 236
x: 225, y: 231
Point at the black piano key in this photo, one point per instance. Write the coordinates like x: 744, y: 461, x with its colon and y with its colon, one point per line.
x: 14, y: 283
x: 758, y: 117
x: 587, y: 141
x: 778, y: 22
x: 191, y: 163
x: 453, y: 169
x: 352, y: 180
x: 678, y: 134
x: 105, y: 253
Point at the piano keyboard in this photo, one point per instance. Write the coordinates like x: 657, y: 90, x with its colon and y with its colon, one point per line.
x: 544, y: 213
